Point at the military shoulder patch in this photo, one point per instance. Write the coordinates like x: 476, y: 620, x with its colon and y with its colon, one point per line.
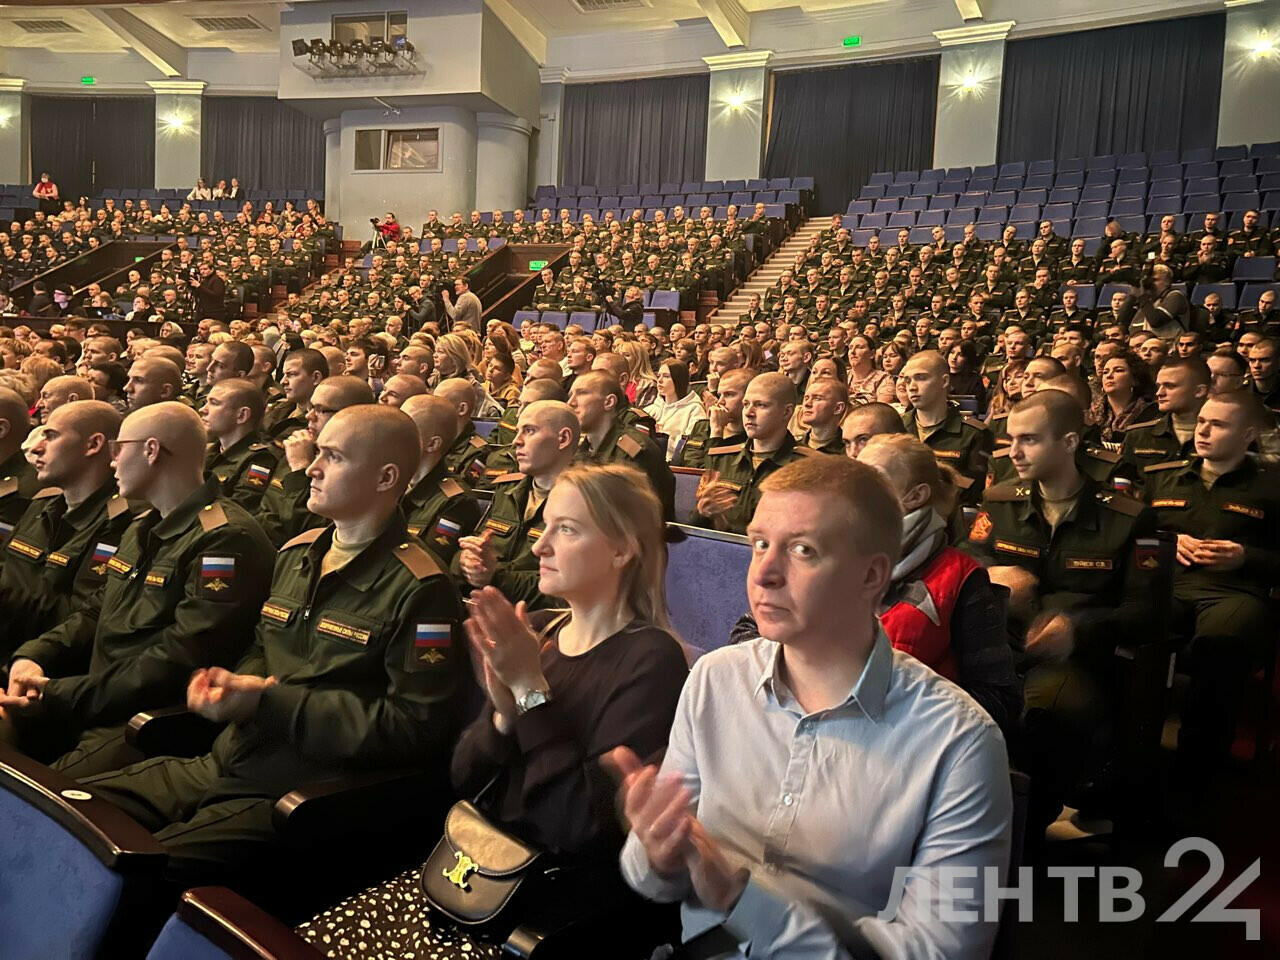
x: 508, y: 477
x: 1167, y: 465
x: 213, y: 516
x: 630, y: 446
x: 731, y: 448
x: 1007, y: 492
x: 974, y: 422
x: 1000, y: 453
x: 417, y: 561
x: 307, y: 536
x: 116, y: 506
x: 8, y: 485
x: 46, y: 492
x: 1120, y: 502
x: 1102, y: 453
x: 216, y: 572
x: 1143, y: 425
x: 982, y: 526
x: 478, y: 442
x: 451, y: 488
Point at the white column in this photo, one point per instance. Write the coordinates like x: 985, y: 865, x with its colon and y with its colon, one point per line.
x: 736, y: 114
x: 502, y: 161
x: 1249, y: 111
x: 969, y: 80
x: 333, y: 170
x: 550, y: 106
x: 179, y: 105
x: 15, y: 132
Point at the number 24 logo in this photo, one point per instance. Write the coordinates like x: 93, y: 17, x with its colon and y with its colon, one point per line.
x: 1216, y: 910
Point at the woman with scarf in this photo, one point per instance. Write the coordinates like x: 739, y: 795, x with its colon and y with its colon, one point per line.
x: 940, y: 606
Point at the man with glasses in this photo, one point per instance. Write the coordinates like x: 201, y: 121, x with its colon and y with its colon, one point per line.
x: 183, y: 592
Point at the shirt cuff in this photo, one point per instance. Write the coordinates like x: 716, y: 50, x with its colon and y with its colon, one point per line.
x: 646, y: 881
x: 538, y: 726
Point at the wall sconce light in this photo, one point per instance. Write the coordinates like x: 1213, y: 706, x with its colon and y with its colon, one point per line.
x: 176, y: 122
x: 970, y: 83
x: 736, y: 100
x: 1262, y: 46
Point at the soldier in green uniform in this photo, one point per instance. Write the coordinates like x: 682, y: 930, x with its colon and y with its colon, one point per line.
x: 283, y: 512
x: 730, y: 489
x: 1182, y: 384
x: 239, y: 457
x: 501, y: 554
x: 464, y: 455
x: 57, y: 556
x: 1225, y: 509
x: 357, y: 662
x: 594, y: 398
x: 1081, y: 563
x: 959, y: 441
x: 302, y: 372
x: 546, y: 295
x: 18, y: 483
x: 825, y: 403
x: 182, y: 592
x: 441, y: 509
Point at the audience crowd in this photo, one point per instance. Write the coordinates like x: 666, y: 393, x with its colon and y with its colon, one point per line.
x: 961, y: 493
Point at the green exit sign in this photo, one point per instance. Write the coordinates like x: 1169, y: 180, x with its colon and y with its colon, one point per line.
x: 852, y: 41
x: 537, y: 264
x: 88, y: 81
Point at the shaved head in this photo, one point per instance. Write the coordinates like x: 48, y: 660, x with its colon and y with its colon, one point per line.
x: 15, y: 422
x: 553, y: 415
x: 164, y: 351
x: 178, y: 428
x: 62, y: 390
x: 459, y: 392
x: 777, y: 386
x: 152, y: 379
x: 376, y: 437
x: 400, y: 388
x: 544, y: 369
x: 434, y: 417
x: 344, y: 391
x: 87, y: 418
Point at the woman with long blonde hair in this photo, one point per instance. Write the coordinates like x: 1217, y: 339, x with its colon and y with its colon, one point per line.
x: 565, y: 687
x: 642, y: 389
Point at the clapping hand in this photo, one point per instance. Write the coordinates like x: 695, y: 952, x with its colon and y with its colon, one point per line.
x: 714, y: 496
x: 507, y: 651
x: 222, y: 696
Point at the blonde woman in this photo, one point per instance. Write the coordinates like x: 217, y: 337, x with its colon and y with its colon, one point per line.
x: 642, y: 388
x: 565, y: 687
x: 453, y: 358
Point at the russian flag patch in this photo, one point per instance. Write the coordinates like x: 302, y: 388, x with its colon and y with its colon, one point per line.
x: 103, y: 552
x: 429, y: 639
x: 257, y: 474
x: 211, y: 567
x: 447, y: 528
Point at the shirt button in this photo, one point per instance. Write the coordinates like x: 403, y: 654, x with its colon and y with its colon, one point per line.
x: 788, y: 799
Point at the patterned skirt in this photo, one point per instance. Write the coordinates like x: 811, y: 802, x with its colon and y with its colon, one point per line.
x: 393, y: 921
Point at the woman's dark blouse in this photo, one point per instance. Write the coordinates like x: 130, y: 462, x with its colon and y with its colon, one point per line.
x: 551, y: 790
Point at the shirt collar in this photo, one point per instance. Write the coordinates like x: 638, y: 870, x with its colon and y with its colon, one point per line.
x: 870, y: 691
x: 361, y: 572
x: 87, y: 512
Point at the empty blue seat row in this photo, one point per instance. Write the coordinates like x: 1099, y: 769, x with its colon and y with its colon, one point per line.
x: 689, y: 186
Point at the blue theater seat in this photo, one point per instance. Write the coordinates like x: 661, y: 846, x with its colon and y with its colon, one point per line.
x: 1227, y: 291
x: 68, y: 861
x: 707, y: 585
x: 213, y: 923
x: 1252, y: 292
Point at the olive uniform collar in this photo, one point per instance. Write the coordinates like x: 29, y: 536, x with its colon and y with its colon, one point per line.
x: 952, y: 423
x: 1241, y: 475
x: 181, y: 519
x: 1086, y: 512
x: 363, y: 571
x: 86, y: 513
x: 237, y: 449
x: 428, y: 485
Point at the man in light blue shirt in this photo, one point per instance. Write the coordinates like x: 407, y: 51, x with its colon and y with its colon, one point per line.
x: 809, y: 771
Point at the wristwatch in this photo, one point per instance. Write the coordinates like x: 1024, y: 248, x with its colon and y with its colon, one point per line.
x: 530, y: 699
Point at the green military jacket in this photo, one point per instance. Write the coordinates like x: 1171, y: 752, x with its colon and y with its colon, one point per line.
x: 468, y: 447
x: 57, y: 561
x: 624, y: 444
x: 244, y: 469
x: 441, y: 509
x: 1151, y: 442
x: 282, y: 418
x: 734, y: 463
x: 962, y: 443
x: 1099, y: 566
x: 369, y: 661
x: 1242, y: 506
x: 282, y: 512
x: 182, y: 592
x: 833, y: 446
x: 18, y: 484
x: 513, y: 537
x: 693, y: 451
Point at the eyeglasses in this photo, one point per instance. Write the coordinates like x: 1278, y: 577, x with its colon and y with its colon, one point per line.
x: 115, y: 445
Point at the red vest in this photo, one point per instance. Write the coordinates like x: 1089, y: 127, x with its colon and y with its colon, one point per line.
x: 911, y: 630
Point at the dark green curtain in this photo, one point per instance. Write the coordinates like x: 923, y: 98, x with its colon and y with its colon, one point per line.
x: 842, y: 124
x: 266, y: 143
x: 1149, y: 86
x: 634, y: 131
x: 87, y: 144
